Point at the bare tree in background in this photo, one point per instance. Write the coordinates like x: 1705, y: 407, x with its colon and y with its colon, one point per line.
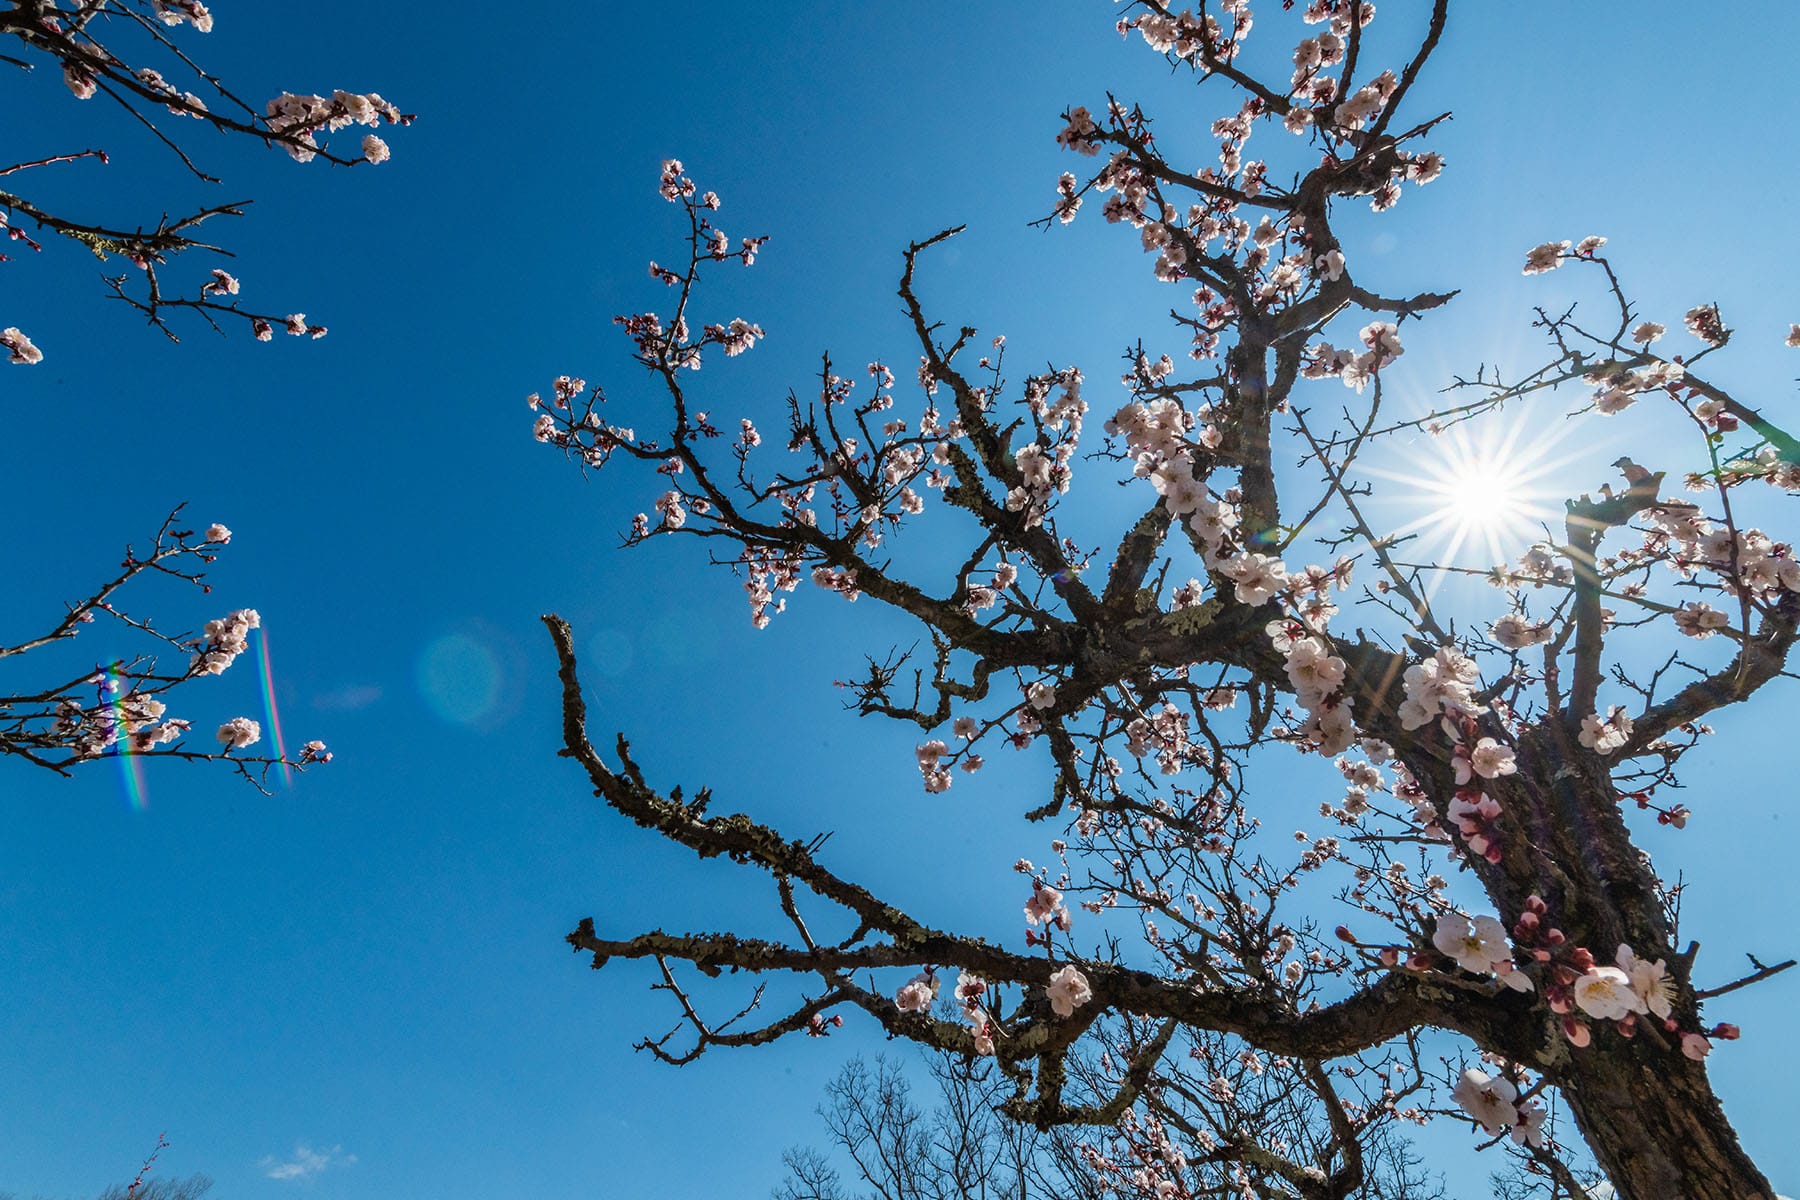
x: 144, y: 1187
x: 136, y: 55
x: 180, y: 1187
x: 963, y: 1149
x: 1237, y: 1044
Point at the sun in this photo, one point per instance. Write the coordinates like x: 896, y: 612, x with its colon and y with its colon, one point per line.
x: 1487, y: 495
x: 1475, y: 495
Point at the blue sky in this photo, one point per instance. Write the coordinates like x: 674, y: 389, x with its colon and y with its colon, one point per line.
x: 369, y: 965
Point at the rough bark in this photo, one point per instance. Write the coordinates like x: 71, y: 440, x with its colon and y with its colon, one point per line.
x: 1651, y: 1119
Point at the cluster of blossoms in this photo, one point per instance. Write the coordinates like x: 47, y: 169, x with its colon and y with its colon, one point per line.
x: 1766, y: 465
x: 239, y: 732
x: 1441, y: 684
x: 222, y: 283
x: 181, y: 104
x: 225, y: 638
x: 1705, y: 323
x: 767, y: 571
x: 586, y: 437
x: 1440, y: 689
x: 1616, y: 389
x: 1046, y: 908
x: 1516, y: 631
x: 657, y: 344
x: 983, y: 596
x: 920, y: 992
x: 1158, y: 1167
x: 292, y: 119
x: 294, y: 323
x: 1751, y: 564
x: 841, y: 580
x: 1039, y: 697
x: 1381, y: 346
x: 970, y: 991
x: 1317, y: 674
x: 142, y: 719
x: 734, y: 338
x: 917, y: 994
x: 1165, y: 731
x: 1580, y: 989
x: 1043, y: 472
x: 1540, y: 567
x: 135, y: 717
x: 1493, y: 1102
x: 1156, y: 436
x: 1603, y: 735
x: 1185, y: 36
x: 175, y: 12
x: 1550, y: 255
x: 937, y: 776
x: 297, y: 119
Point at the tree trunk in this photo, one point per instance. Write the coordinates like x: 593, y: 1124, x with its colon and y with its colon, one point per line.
x: 1652, y: 1121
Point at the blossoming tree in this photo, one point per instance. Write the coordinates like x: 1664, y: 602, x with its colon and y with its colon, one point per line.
x: 1493, y: 761
x: 129, y: 53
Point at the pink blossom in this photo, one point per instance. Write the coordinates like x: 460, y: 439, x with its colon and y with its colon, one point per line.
x: 1487, y: 1099
x: 918, y: 993
x: 1649, y: 982
x: 1257, y: 577
x: 1068, y: 990
x: 239, y: 732
x: 1603, y: 736
x: 1515, y: 632
x: 1605, y: 993
x: 1529, y: 1129
x: 1045, y: 907
x: 1545, y: 257
x: 81, y: 81
x: 1705, y: 323
x: 1697, y: 619
x: 1477, y: 948
x: 1489, y: 760
x: 19, y: 347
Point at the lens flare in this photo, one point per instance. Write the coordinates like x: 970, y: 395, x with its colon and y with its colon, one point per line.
x: 131, y: 767
x: 269, y: 709
x: 460, y: 678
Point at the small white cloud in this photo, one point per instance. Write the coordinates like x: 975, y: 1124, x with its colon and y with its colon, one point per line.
x: 306, y: 1162
x: 348, y: 699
